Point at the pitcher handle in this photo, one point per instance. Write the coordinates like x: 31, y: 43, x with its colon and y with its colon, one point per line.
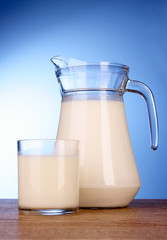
x: 142, y: 89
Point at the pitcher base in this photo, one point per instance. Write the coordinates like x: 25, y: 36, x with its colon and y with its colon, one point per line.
x: 112, y: 197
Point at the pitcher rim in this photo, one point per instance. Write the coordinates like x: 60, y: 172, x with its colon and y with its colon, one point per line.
x: 123, y: 67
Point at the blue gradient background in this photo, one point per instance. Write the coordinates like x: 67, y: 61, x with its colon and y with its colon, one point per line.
x: 31, y: 32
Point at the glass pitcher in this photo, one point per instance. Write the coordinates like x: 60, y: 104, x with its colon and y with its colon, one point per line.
x: 92, y: 111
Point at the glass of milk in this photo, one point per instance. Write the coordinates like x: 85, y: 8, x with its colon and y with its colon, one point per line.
x: 48, y: 177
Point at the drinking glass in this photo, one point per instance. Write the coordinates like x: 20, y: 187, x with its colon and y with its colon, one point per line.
x: 48, y: 177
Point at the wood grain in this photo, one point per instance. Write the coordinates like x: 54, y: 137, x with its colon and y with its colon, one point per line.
x: 143, y: 219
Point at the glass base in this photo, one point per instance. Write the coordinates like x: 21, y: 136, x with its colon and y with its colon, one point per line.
x: 48, y: 212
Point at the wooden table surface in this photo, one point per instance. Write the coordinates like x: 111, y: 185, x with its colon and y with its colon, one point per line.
x: 142, y: 219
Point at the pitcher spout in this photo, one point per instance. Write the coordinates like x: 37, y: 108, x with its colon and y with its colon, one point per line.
x: 64, y: 61
x: 59, y: 62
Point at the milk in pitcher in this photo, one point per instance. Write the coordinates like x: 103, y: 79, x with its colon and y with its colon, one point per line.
x: 108, y: 172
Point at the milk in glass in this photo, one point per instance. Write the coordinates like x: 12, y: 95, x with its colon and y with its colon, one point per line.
x: 48, y: 182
